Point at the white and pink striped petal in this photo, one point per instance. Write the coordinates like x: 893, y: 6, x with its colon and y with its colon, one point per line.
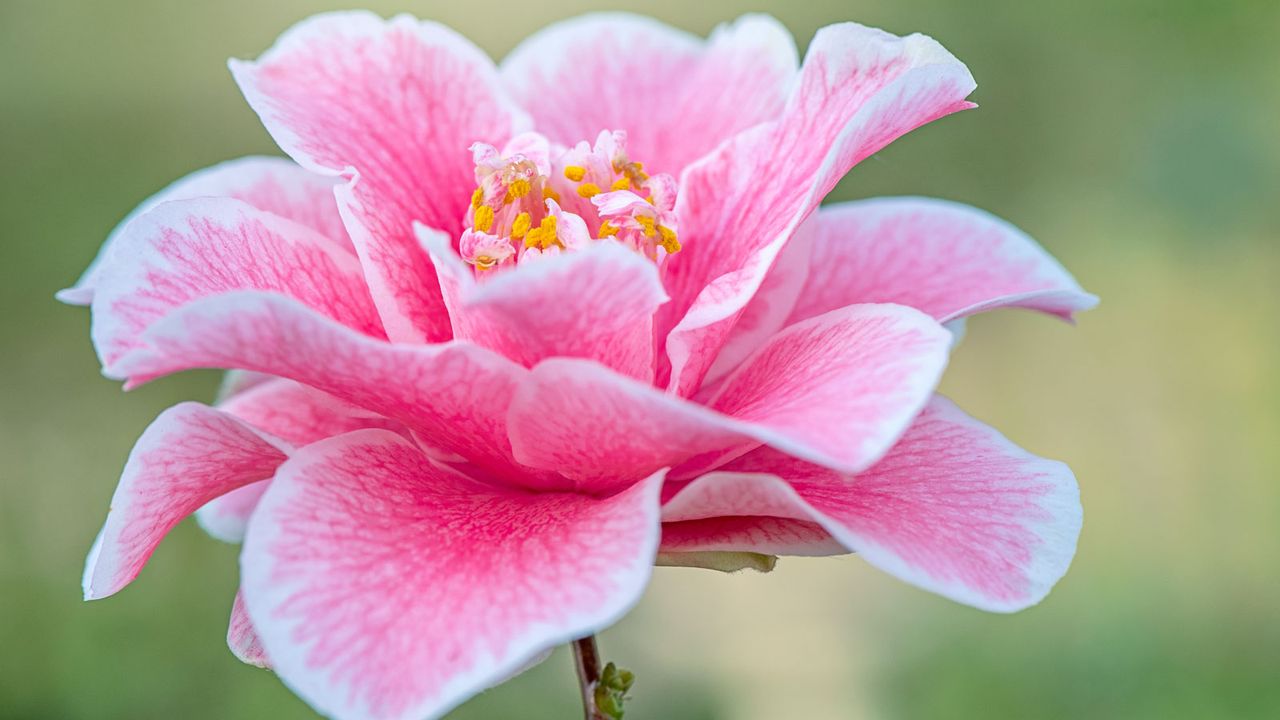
x: 270, y: 184
x: 384, y: 587
x: 186, y: 250
x: 595, y: 303
x: 454, y: 396
x: 296, y: 413
x: 677, y: 96
x: 837, y: 390
x: 189, y: 455
x: 393, y: 106
x: 943, y: 258
x: 954, y: 508
x: 858, y: 90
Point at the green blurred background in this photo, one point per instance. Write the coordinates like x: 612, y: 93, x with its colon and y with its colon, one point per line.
x: 1138, y: 141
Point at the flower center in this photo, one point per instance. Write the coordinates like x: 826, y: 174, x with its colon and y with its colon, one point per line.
x: 534, y: 199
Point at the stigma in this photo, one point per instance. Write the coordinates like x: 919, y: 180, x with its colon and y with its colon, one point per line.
x: 533, y: 200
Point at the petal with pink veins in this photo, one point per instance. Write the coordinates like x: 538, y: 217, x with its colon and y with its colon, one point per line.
x: 384, y: 587
x: 242, y: 638
x: 954, y: 508
x: 295, y: 413
x: 837, y: 390
x: 769, y: 309
x: 186, y: 250
x: 189, y: 455
x: 858, y: 90
x: 676, y: 95
x: 454, y: 395
x: 595, y: 303
x: 393, y: 106
x: 270, y: 184
x: 944, y: 258
x: 761, y: 535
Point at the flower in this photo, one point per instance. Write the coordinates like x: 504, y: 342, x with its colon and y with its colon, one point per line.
x: 505, y: 336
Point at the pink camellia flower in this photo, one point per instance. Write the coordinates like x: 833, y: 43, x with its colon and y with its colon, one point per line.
x: 506, y: 336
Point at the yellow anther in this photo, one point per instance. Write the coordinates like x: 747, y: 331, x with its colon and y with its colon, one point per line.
x: 669, y: 241
x: 484, y: 262
x: 482, y: 219
x: 549, y: 194
x: 518, y: 189
x: 477, y: 197
x: 608, y: 229
x: 588, y: 190
x: 622, y: 183
x: 521, y: 225
x: 648, y: 225
x: 575, y: 173
x: 543, y: 236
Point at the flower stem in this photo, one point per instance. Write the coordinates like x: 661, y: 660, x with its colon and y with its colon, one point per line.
x: 586, y: 658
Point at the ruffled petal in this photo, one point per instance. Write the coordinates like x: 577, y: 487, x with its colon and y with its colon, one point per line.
x: 837, y: 390
x: 676, y: 95
x: 384, y: 587
x: 595, y: 303
x: 946, y: 259
x: 189, y: 455
x: 185, y: 250
x: 454, y: 396
x: 859, y: 89
x: 393, y: 106
x: 295, y: 413
x: 270, y: 184
x: 954, y: 508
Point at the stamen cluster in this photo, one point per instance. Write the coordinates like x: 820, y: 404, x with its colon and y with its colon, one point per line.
x: 526, y: 205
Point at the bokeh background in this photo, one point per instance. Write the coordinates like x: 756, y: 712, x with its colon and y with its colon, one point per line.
x: 1137, y: 140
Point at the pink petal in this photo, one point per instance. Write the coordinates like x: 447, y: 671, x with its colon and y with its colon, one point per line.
x: 242, y: 638
x: 946, y: 259
x: 384, y: 587
x: 295, y: 413
x: 226, y: 517
x: 768, y: 310
x: 189, y: 455
x: 838, y: 390
x: 454, y: 395
x: 676, y: 95
x: 185, y: 250
x: 859, y: 89
x: 393, y: 106
x: 954, y: 508
x: 270, y: 184
x: 595, y: 303
x: 763, y: 535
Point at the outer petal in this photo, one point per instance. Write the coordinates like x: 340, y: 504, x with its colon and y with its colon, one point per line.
x: 392, y: 106
x: 954, y: 508
x: 270, y: 184
x: 761, y: 535
x: 946, y: 259
x: 296, y: 413
x: 384, y: 587
x: 188, y: 456
x: 676, y: 96
x: 190, y: 249
x: 595, y: 303
x: 859, y: 89
x: 242, y: 638
x: 837, y: 390
x: 454, y: 396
